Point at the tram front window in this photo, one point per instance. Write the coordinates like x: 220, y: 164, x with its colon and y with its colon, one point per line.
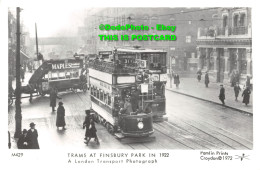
x: 158, y: 90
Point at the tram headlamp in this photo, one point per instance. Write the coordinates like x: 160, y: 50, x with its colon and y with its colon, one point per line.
x: 140, y: 125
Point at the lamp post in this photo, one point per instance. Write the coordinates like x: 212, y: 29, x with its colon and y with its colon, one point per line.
x: 18, y: 112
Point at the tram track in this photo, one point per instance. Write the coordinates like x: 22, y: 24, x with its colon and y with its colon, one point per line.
x: 211, y: 138
x: 199, y: 126
x: 165, y: 134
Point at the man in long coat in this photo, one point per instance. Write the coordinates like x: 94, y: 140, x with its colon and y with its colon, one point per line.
x: 246, y: 95
x: 206, y: 79
x: 86, y: 123
x: 237, y: 89
x: 22, y: 141
x: 60, y: 120
x: 199, y: 73
x: 32, y: 137
x: 176, y: 79
x: 53, y: 97
x: 222, y: 94
x: 92, y: 132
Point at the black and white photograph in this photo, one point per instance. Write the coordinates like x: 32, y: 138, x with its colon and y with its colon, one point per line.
x: 141, y: 81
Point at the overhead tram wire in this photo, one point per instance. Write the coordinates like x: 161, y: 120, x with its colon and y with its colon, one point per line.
x: 184, y: 12
x: 179, y: 20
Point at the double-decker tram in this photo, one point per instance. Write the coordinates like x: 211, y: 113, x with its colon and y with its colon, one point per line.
x: 118, y: 101
x: 150, y: 68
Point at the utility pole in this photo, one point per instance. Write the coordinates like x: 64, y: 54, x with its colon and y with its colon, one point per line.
x: 18, y: 111
x: 170, y: 70
x: 36, y: 39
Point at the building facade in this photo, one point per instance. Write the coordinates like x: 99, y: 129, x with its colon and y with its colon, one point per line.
x: 181, y: 53
x: 56, y: 47
x: 225, y: 48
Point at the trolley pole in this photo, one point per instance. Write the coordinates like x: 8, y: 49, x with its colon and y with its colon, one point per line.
x: 18, y: 111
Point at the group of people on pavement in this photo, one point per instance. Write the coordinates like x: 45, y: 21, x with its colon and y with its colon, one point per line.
x: 89, y: 123
x: 29, y: 138
x: 234, y: 83
x: 246, y: 94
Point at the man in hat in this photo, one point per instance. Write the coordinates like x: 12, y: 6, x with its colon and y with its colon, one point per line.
x: 86, y: 123
x: 222, y: 94
x: 60, y: 120
x: 22, y: 142
x: 92, y: 132
x: 32, y: 137
x: 176, y: 79
x: 207, y: 79
x: 237, y: 89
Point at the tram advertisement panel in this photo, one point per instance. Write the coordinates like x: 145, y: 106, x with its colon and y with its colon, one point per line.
x: 66, y: 64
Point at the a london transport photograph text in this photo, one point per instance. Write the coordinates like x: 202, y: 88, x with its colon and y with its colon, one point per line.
x: 130, y: 78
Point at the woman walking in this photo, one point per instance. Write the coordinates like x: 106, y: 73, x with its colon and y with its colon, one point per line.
x: 60, y: 120
x: 92, y: 132
x: 246, y: 95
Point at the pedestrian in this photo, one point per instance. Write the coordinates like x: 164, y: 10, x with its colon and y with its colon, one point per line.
x: 199, y: 73
x: 60, y: 120
x: 237, y: 89
x: 53, y: 97
x: 246, y: 95
x: 92, y: 132
x: 22, y: 141
x: 207, y: 79
x: 222, y: 94
x: 22, y: 73
x: 86, y: 123
x: 32, y: 137
x: 176, y: 79
x: 248, y: 83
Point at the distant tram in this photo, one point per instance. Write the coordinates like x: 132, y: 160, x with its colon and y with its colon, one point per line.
x: 150, y: 67
x: 60, y: 74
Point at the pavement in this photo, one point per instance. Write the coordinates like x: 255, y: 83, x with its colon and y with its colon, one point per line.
x: 191, y: 87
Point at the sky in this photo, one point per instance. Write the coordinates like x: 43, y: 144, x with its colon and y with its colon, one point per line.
x: 52, y: 18
x: 52, y: 22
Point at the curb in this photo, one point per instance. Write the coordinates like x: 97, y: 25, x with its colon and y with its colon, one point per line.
x: 230, y: 107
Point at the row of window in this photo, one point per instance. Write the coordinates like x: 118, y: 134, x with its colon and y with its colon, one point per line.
x: 101, y: 95
x: 238, y: 20
x: 57, y: 75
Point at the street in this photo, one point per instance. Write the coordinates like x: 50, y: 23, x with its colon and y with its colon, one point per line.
x: 192, y: 124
